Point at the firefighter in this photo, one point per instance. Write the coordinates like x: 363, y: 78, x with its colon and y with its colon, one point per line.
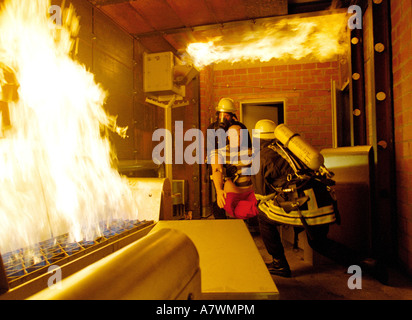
x: 273, y: 170
x: 225, y: 117
x: 231, y: 178
x: 303, y: 200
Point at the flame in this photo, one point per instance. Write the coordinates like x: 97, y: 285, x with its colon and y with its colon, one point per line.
x: 320, y: 37
x: 56, y: 167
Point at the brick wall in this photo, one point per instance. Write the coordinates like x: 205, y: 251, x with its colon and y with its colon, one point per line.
x: 305, y: 88
x: 401, y: 16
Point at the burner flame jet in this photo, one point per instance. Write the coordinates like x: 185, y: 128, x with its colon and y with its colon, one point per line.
x: 57, y: 172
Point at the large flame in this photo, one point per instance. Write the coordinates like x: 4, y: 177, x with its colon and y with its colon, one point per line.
x: 318, y: 37
x: 56, y: 170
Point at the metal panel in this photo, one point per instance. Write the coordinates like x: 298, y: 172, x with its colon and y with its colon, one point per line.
x: 117, y: 80
x: 156, y: 43
x: 158, y: 14
x: 358, y: 87
x: 354, y: 175
x: 113, y: 68
x: 192, y: 13
x: 158, y: 72
x: 112, y: 40
x: 266, y: 8
x: 229, y: 10
x: 144, y: 116
x: 385, y: 225
x: 170, y: 267
x: 107, y: 2
x: 196, y: 178
x: 153, y: 197
x: 232, y: 267
x: 189, y: 115
x: 127, y: 17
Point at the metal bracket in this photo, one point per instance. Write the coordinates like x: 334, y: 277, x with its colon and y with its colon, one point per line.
x: 170, y: 104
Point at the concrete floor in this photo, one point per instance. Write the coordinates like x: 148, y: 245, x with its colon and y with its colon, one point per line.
x: 329, y: 281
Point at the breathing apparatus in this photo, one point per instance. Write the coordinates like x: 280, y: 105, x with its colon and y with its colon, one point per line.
x: 309, y: 173
x: 301, y: 149
x: 225, y: 107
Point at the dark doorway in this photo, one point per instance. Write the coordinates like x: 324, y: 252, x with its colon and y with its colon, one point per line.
x: 252, y: 112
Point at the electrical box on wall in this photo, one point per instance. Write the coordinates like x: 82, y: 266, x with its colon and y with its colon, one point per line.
x: 165, y: 75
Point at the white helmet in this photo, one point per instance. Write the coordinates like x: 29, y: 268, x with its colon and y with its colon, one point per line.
x: 265, y: 129
x: 226, y: 105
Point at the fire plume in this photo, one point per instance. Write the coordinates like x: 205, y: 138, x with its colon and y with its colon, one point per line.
x: 318, y: 37
x: 56, y: 166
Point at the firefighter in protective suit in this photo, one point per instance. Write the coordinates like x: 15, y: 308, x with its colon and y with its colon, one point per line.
x: 225, y: 117
x: 302, y: 200
x: 273, y: 170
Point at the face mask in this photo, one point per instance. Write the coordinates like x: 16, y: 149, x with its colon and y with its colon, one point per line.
x: 224, y: 123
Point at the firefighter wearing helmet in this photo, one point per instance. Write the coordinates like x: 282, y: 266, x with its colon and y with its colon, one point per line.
x: 265, y: 129
x: 225, y: 117
x: 292, y: 190
x: 272, y: 168
x: 225, y: 113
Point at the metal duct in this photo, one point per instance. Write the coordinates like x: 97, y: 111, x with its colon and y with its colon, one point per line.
x: 161, y: 266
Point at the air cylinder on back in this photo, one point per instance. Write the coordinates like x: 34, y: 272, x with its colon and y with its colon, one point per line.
x: 299, y: 147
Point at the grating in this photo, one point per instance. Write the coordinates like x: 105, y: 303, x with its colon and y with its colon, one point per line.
x: 24, y: 264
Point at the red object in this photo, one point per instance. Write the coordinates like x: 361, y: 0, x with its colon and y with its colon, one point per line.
x: 241, y: 205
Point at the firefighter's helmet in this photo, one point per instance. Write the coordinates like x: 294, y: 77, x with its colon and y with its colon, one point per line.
x: 265, y: 129
x: 226, y: 105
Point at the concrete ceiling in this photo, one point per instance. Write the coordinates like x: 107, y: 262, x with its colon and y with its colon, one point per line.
x: 169, y: 25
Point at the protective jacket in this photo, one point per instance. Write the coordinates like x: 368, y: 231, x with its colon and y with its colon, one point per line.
x: 288, y: 200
